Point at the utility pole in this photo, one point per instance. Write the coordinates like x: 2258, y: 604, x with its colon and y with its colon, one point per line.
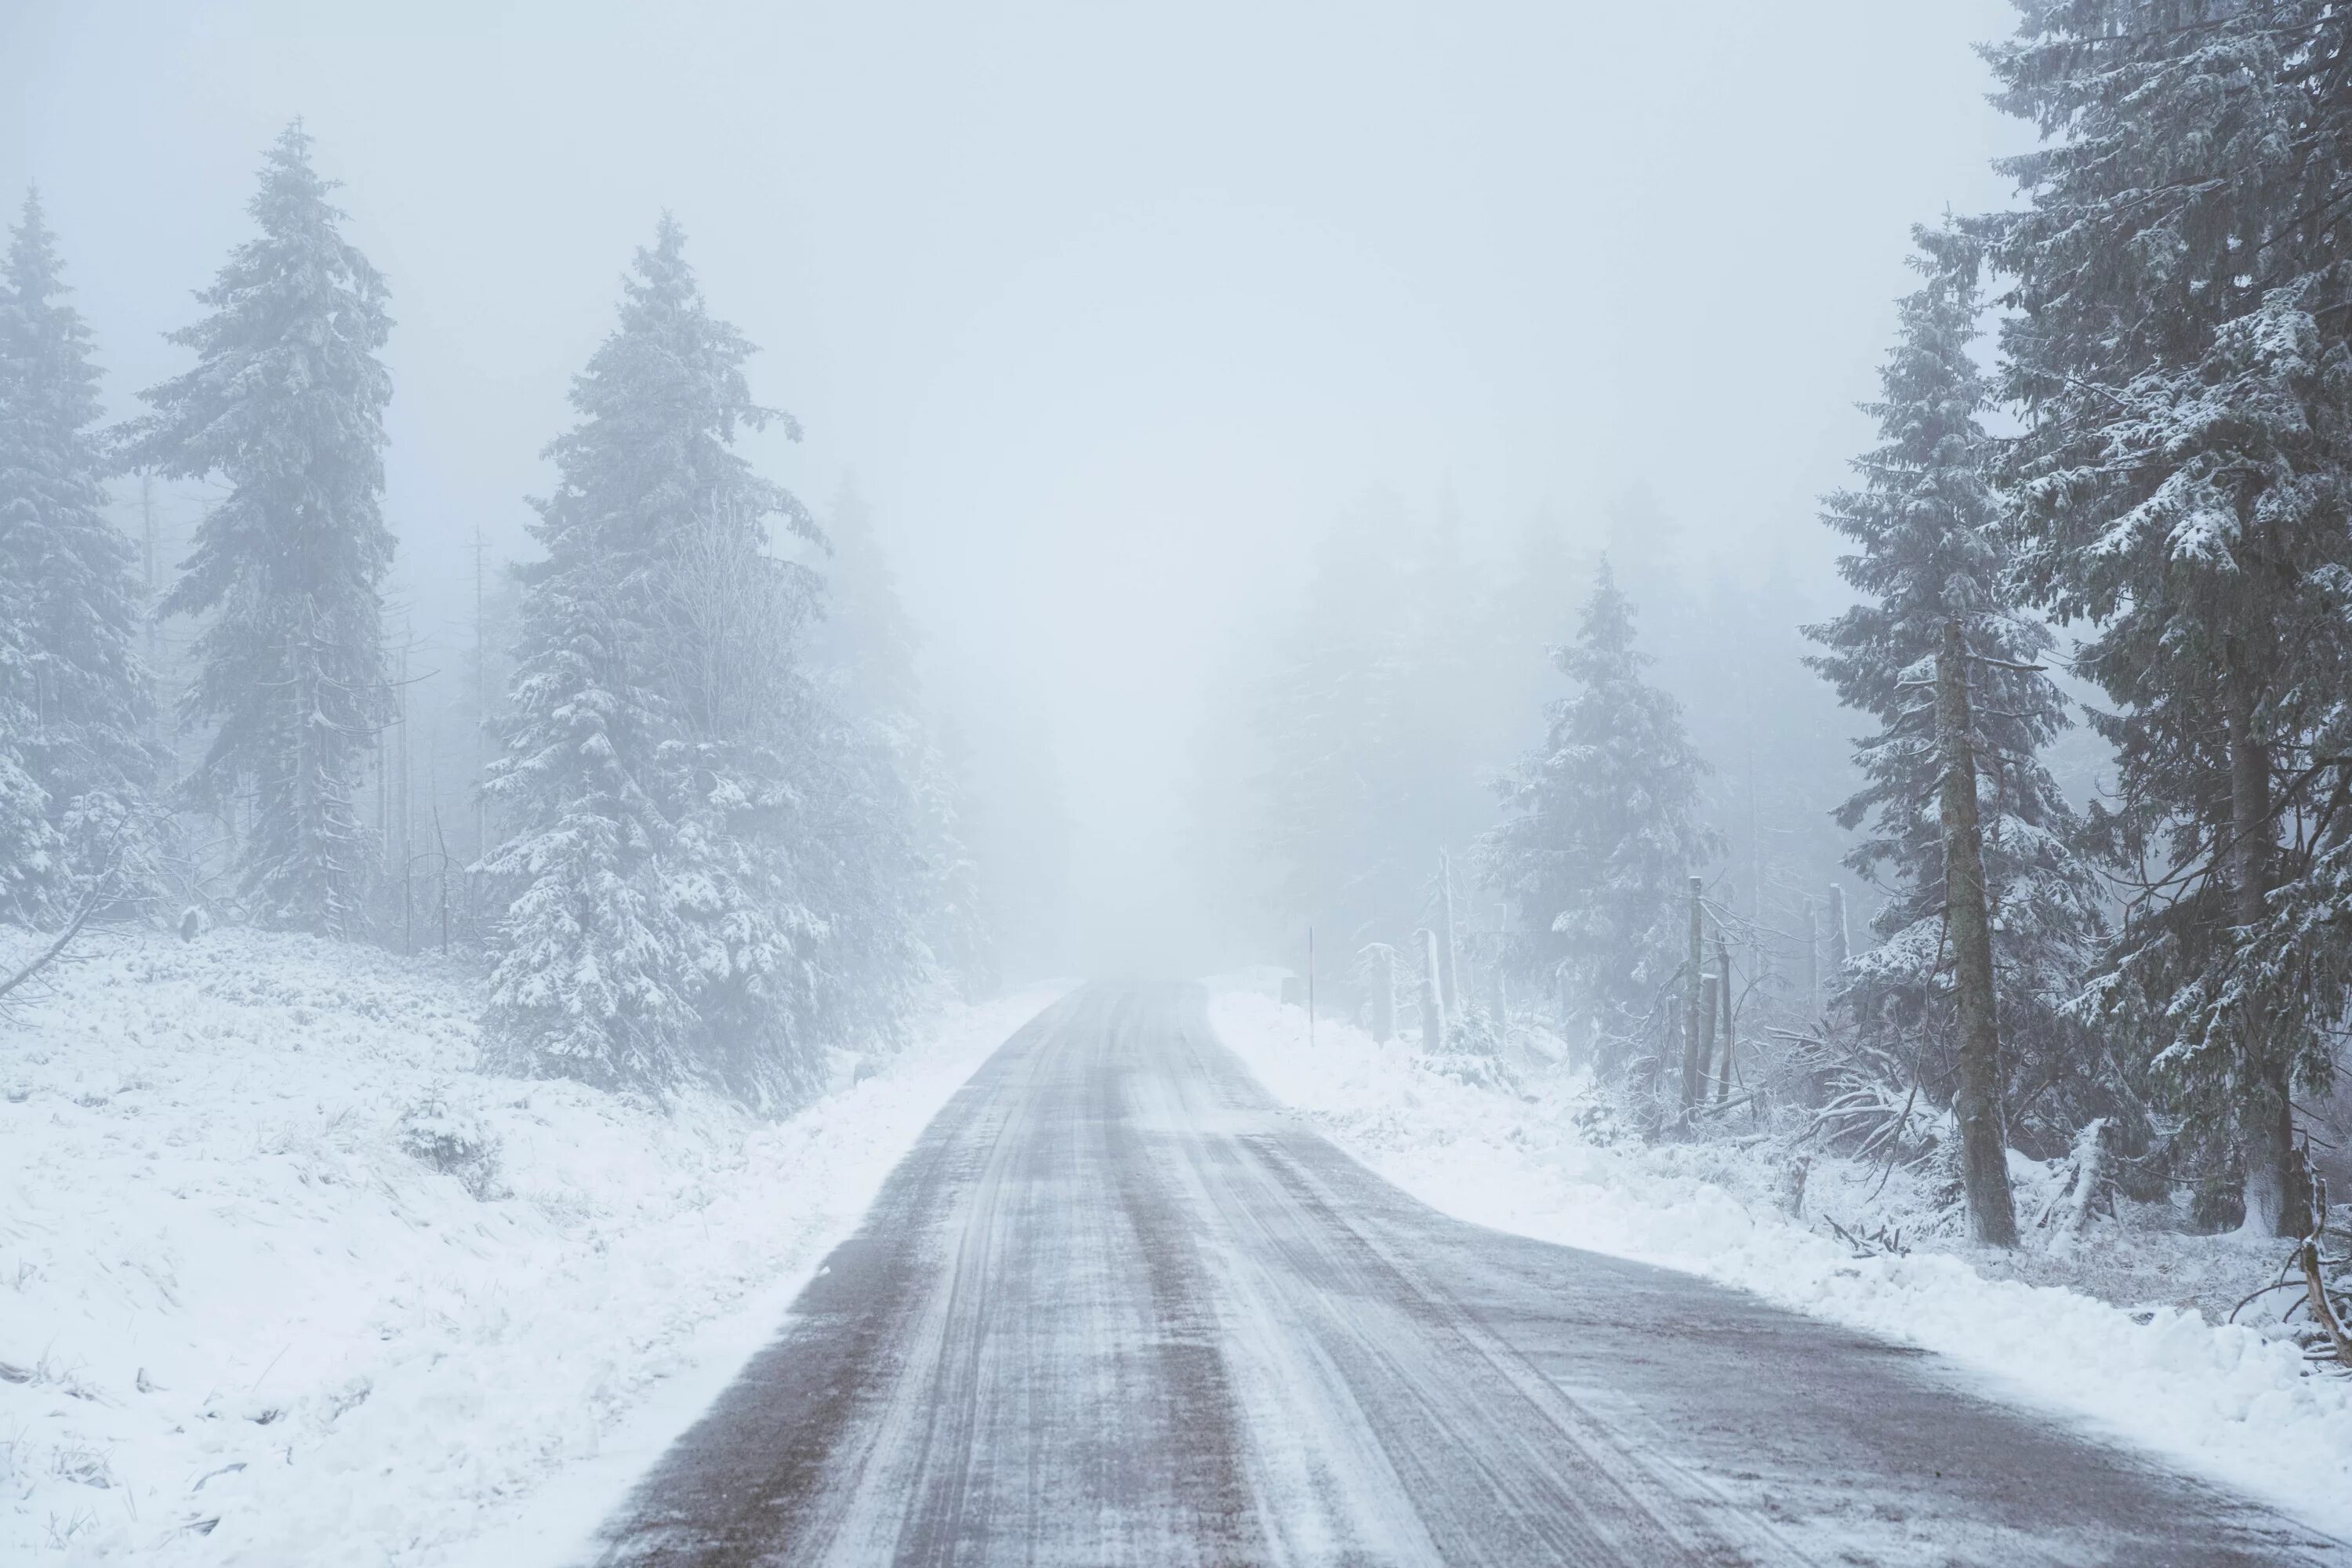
x: 1310, y: 988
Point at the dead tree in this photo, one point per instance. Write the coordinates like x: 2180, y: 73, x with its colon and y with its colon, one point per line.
x: 1984, y: 1154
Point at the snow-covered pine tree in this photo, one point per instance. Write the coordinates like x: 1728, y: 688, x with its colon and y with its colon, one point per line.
x: 285, y: 404
x: 657, y: 777
x: 77, y: 709
x: 1601, y: 828
x: 2178, y: 348
x: 1927, y: 527
x: 30, y: 856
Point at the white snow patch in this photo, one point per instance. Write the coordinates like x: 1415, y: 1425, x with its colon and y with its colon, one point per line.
x: 2225, y: 1400
x: 244, y: 1319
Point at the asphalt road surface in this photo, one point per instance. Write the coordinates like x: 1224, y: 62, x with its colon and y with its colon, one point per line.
x: 1118, y: 1308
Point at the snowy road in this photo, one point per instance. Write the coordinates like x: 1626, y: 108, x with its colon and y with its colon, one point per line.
x: 1116, y: 1308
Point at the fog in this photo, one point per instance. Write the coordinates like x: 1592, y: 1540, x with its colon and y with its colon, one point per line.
x: 1110, y: 317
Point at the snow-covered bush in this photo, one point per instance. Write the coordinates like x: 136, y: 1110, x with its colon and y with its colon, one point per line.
x: 453, y: 1142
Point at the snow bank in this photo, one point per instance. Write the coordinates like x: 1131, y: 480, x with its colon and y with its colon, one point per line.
x: 282, y: 1281
x: 2227, y: 1401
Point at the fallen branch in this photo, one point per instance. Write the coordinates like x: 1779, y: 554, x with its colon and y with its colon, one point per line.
x: 2323, y: 1310
x: 50, y: 953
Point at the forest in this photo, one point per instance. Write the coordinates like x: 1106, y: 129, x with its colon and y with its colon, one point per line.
x: 1300, y: 698
x: 702, y: 833
x: 680, y: 793
x: 2098, y: 556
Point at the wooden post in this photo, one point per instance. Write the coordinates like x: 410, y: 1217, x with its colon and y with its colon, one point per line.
x: 1694, y: 995
x: 1984, y: 1154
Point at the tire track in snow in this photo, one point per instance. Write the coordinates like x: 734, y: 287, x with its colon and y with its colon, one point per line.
x: 1118, y: 1308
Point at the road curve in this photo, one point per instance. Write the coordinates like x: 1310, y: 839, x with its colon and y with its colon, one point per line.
x: 1118, y: 1308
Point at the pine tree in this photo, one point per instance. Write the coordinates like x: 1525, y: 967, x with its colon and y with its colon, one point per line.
x: 30, y: 856
x: 78, y: 694
x: 664, y: 778
x: 286, y: 403
x: 1601, y: 828
x: 2178, y: 348
x: 1927, y: 528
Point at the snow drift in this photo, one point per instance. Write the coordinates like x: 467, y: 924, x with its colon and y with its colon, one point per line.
x: 282, y: 1281
x: 2228, y: 1401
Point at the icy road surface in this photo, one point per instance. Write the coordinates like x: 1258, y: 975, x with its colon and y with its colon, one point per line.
x: 1118, y: 1308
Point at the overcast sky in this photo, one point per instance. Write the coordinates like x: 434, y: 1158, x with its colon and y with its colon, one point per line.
x: 1109, y: 309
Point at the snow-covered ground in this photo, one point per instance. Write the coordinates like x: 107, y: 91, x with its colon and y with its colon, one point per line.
x: 2229, y: 1401
x: 244, y: 1319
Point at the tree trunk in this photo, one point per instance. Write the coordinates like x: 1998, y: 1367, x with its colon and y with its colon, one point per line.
x: 1694, y: 997
x: 1433, y: 995
x: 1838, y: 949
x: 1710, y: 990
x: 1984, y: 1155
x: 1812, y: 963
x: 2275, y: 1204
x: 1723, y: 999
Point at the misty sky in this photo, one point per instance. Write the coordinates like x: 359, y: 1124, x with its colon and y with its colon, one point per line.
x: 1111, y: 310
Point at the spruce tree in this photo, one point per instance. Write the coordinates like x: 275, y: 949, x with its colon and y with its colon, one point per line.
x: 286, y: 405
x: 665, y: 856
x: 78, y: 706
x: 30, y: 856
x: 2178, y: 348
x: 1601, y: 829
x: 1927, y: 529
